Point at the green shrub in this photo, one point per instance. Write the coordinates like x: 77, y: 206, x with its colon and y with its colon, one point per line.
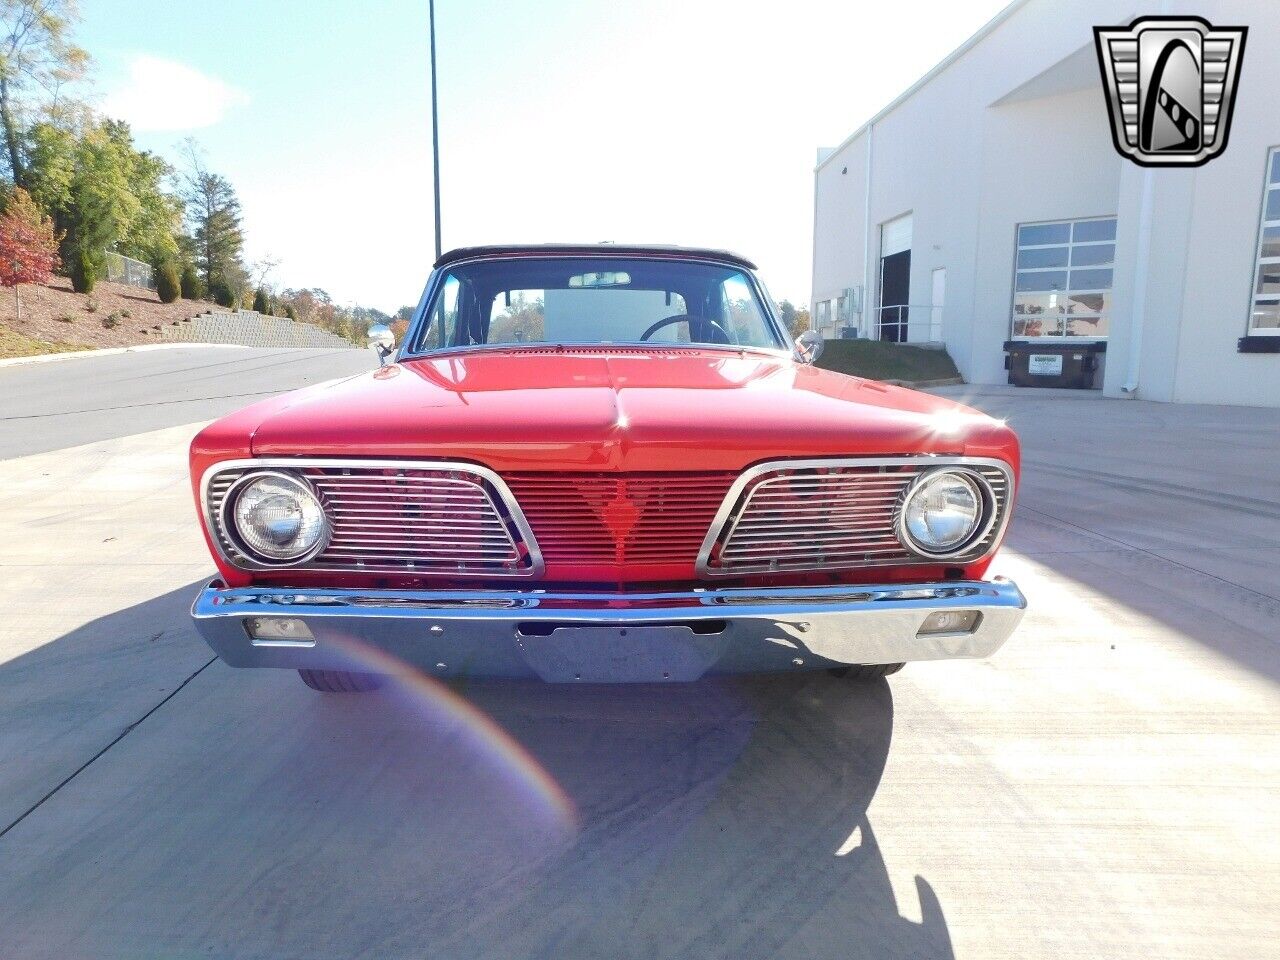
x: 261, y: 302
x: 84, y: 272
x: 111, y: 321
x: 67, y: 318
x: 91, y: 306
x: 192, y: 288
x: 290, y: 312
x: 168, y: 282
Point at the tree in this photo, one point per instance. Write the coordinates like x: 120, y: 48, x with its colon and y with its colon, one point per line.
x: 83, y: 270
x: 36, y: 54
x: 28, y: 247
x: 103, y: 194
x: 220, y: 293
x: 168, y: 282
x: 102, y: 206
x: 261, y: 302
x: 191, y: 286
x: 213, y: 213
x: 151, y: 235
x: 803, y: 321
x: 795, y: 319
x: 520, y: 322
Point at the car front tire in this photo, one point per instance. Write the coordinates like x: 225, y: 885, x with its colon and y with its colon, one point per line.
x: 340, y: 681
x: 866, y: 671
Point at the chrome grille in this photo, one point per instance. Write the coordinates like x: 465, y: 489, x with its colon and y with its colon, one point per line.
x: 399, y: 517
x: 829, y: 515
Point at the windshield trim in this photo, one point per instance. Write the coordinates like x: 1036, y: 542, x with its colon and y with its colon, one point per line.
x: 593, y: 346
x: 785, y: 344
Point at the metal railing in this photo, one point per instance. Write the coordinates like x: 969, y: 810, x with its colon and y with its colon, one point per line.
x: 127, y: 270
x: 909, y: 323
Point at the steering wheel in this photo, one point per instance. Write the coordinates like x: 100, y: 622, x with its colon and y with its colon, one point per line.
x: 683, y: 318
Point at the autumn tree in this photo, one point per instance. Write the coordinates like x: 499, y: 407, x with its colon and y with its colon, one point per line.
x: 795, y: 319
x: 28, y: 247
x: 37, y: 58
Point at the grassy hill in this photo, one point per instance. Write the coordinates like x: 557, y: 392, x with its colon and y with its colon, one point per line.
x: 56, y: 319
x: 875, y: 360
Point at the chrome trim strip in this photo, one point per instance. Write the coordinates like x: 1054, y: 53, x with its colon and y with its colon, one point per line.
x: 218, y: 600
x: 926, y: 462
x: 536, y: 567
x: 483, y: 632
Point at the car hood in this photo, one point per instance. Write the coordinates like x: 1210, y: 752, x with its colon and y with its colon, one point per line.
x: 618, y: 410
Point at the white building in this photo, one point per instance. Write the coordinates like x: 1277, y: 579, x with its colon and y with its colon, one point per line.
x: 965, y: 207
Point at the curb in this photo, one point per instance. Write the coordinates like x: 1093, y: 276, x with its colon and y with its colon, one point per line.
x: 105, y: 352
x: 925, y: 384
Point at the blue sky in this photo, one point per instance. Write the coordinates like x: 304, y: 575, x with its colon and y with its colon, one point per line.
x: 682, y: 121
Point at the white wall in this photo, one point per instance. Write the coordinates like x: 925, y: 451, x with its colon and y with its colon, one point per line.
x: 1222, y: 216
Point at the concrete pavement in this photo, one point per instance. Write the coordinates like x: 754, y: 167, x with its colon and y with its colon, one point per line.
x: 1104, y: 787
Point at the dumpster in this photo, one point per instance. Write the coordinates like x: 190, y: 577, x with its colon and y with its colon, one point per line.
x: 1040, y: 364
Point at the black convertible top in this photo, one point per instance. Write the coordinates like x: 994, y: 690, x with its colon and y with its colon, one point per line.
x: 660, y: 251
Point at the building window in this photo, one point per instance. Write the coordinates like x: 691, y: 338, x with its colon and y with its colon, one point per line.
x: 1062, y: 278
x: 1264, y: 317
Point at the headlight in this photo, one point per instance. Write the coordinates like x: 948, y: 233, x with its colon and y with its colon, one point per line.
x: 943, y: 512
x: 275, y: 518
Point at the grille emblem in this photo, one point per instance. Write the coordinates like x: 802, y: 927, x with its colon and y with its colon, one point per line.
x: 1171, y: 87
x: 619, y: 515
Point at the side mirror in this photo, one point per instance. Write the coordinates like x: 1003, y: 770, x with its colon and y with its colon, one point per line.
x: 382, y: 342
x: 809, y: 346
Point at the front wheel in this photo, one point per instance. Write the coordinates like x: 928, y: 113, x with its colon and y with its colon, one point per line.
x: 340, y: 681
x: 866, y: 671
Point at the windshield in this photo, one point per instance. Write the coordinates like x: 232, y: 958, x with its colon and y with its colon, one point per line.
x: 594, y: 300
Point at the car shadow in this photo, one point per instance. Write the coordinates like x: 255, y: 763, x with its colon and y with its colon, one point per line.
x: 724, y: 818
x: 242, y: 814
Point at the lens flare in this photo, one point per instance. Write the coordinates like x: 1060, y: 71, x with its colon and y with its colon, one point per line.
x: 427, y: 696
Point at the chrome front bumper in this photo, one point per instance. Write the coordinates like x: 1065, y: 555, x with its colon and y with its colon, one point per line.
x: 605, y: 637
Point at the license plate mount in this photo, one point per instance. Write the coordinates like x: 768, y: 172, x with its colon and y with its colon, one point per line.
x: 650, y: 653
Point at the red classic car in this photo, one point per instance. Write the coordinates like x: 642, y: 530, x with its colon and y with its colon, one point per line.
x: 601, y: 464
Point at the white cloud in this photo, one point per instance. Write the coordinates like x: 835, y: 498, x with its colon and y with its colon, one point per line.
x: 162, y: 95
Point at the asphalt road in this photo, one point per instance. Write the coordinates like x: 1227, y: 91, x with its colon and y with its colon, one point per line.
x: 51, y: 405
x: 1106, y: 786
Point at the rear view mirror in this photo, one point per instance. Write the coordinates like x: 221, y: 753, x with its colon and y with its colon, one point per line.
x: 382, y: 341
x: 809, y: 346
x: 608, y: 278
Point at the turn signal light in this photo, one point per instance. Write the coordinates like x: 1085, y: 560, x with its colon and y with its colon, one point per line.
x: 949, y: 621
x: 281, y: 631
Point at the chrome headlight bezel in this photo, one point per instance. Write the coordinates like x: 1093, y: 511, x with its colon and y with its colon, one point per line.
x: 987, y: 513
x: 231, y: 529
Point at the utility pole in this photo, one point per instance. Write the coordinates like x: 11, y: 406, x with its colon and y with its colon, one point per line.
x: 435, y: 122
